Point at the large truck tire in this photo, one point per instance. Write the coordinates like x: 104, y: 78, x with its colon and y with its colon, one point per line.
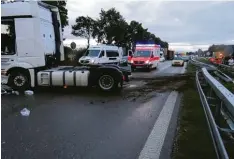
x: 107, y: 83
x: 19, y: 80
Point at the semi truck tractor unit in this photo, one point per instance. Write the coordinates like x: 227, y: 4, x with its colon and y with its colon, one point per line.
x: 32, y: 45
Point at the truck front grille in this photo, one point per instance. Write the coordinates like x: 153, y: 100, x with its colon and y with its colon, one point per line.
x: 139, y: 62
x: 84, y: 61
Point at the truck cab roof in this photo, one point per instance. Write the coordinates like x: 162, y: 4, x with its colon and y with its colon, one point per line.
x: 24, y: 9
x: 104, y: 47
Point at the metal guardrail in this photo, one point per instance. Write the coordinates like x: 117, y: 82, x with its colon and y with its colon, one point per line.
x: 223, y: 76
x: 231, y: 68
x: 217, y: 72
x: 223, y: 109
x: 222, y: 92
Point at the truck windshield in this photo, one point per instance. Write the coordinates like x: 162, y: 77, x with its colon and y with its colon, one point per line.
x: 8, y: 37
x: 92, y: 53
x: 142, y: 53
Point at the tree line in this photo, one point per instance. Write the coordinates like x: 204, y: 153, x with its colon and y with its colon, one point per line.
x: 227, y: 49
x: 111, y: 28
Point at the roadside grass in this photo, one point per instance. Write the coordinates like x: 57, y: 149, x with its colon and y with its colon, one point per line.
x: 204, y: 60
x: 229, y: 86
x: 193, y: 139
x: 190, y: 68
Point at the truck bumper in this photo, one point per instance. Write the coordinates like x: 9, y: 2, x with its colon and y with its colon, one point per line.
x: 141, y: 66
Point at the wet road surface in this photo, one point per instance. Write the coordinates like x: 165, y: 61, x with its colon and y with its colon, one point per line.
x: 164, y: 69
x: 85, y: 124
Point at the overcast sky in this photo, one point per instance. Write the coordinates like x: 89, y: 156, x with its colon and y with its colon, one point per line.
x: 185, y: 25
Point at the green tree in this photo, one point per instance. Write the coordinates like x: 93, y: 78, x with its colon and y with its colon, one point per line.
x: 137, y: 32
x: 84, y: 27
x: 164, y: 44
x: 111, y: 27
x: 62, y: 11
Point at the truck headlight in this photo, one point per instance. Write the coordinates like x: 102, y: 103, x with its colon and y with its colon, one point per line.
x: 92, y: 61
x: 131, y: 61
x: 147, y: 61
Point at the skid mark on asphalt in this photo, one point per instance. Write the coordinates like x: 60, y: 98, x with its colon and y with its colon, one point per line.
x: 155, y: 141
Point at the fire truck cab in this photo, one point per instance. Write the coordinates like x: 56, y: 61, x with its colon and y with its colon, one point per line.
x: 217, y: 57
x: 146, y: 56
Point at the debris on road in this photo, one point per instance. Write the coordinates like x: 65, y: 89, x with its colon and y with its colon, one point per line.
x: 5, y: 90
x: 4, y: 79
x: 28, y: 92
x: 25, y: 112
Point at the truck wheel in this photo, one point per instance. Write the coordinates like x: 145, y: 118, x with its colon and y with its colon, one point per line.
x: 107, y: 82
x: 19, y: 80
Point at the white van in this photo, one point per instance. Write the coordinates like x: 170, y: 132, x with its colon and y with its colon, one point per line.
x: 102, y: 54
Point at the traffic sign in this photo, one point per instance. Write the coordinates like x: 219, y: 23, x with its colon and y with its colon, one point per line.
x: 73, y: 45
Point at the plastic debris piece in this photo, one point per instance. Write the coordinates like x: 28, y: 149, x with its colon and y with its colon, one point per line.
x: 15, y: 92
x: 28, y: 92
x: 3, y: 91
x: 25, y: 112
x: 132, y: 85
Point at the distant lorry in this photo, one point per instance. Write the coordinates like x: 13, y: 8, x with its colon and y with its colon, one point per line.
x: 164, y: 50
x: 32, y: 48
x: 170, y: 54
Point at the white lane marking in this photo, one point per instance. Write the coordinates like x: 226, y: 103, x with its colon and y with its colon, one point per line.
x: 155, y: 141
x: 184, y: 68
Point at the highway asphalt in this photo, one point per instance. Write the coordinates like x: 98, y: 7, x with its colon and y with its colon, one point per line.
x: 164, y: 69
x: 86, y: 124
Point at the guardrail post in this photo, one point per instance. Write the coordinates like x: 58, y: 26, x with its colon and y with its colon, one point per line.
x: 218, y: 112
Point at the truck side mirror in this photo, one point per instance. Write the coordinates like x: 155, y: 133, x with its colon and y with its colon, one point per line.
x: 130, y: 53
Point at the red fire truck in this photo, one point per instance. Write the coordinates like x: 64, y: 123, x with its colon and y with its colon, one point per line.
x: 146, y: 56
x: 217, y: 57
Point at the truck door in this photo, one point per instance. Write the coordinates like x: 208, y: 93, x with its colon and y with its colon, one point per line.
x: 102, y: 57
x: 153, y: 58
x: 156, y: 57
x: 125, y: 61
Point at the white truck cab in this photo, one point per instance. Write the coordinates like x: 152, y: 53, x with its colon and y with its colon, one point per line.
x: 102, y: 54
x: 32, y: 45
x: 31, y: 40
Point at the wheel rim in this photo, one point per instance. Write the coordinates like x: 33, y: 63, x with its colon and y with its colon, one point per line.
x: 19, y: 80
x: 106, y: 82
